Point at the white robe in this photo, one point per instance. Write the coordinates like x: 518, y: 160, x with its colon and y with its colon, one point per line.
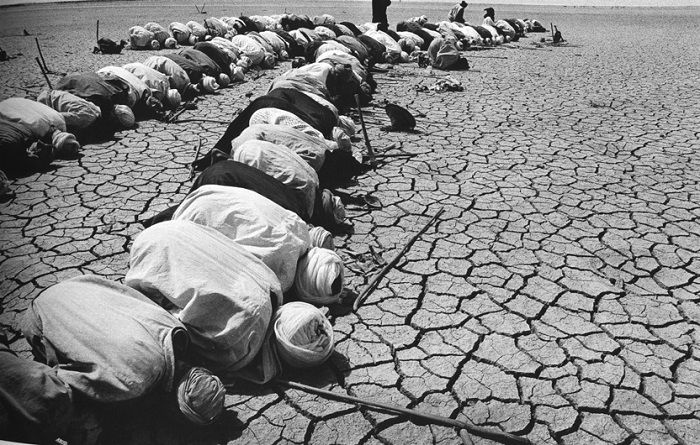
x: 311, y: 149
x: 282, y: 164
x: 222, y: 292
x: 276, y: 236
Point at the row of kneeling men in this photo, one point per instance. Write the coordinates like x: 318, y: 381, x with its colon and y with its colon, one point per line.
x: 224, y: 285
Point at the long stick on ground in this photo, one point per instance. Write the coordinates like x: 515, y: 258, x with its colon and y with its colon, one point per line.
x: 377, y: 278
x: 46, y: 68
x: 41, y: 68
x: 370, y: 151
x: 415, y: 415
x: 196, y: 156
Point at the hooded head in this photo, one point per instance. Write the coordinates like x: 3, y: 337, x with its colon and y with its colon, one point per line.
x: 173, y: 99
x: 66, y: 146
x: 333, y: 207
x: 200, y: 396
x: 490, y: 13
x: 320, y: 276
x: 123, y: 117
x: 463, y: 4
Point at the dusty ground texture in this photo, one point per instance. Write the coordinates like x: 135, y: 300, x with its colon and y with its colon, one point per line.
x: 556, y: 298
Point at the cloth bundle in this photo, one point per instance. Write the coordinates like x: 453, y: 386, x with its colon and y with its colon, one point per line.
x: 138, y: 90
x: 77, y: 112
x: 226, y: 300
x: 282, y: 164
x: 178, y: 77
x: 274, y: 235
x: 304, y: 336
x: 181, y: 32
x: 157, y: 82
x: 159, y: 33
x: 250, y: 48
x: 310, y: 148
x: 140, y: 37
x: 40, y: 119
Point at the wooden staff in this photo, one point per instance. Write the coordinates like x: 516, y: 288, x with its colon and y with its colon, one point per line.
x: 377, y: 278
x: 48, y: 82
x: 45, y: 68
x: 196, y: 156
x: 97, y: 31
x: 416, y: 416
x: 551, y: 28
x: 370, y: 151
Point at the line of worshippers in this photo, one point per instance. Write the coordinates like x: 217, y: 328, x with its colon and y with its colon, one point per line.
x: 223, y: 286
x: 88, y: 106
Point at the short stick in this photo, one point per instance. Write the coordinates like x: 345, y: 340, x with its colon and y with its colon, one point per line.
x: 377, y: 278
x: 196, y: 156
x: 370, y: 150
x: 415, y: 415
x: 97, y: 32
x: 41, y: 68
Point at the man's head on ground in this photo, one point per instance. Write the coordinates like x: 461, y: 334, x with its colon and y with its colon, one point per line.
x: 200, y: 396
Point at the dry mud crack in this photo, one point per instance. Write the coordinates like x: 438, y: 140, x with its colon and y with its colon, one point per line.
x: 557, y: 297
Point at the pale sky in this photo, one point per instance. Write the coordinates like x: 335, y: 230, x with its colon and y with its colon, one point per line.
x: 645, y: 3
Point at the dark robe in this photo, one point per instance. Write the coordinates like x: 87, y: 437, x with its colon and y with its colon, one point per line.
x: 105, y: 91
x: 293, y: 21
x: 483, y: 32
x: 375, y: 49
x: 216, y: 54
x: 250, y: 26
x: 237, y: 174
x: 18, y: 155
x: 418, y: 30
x: 352, y: 27
x: 207, y: 65
x: 194, y: 71
x: 293, y: 47
x: 286, y: 99
x: 379, y: 11
x: 35, y: 404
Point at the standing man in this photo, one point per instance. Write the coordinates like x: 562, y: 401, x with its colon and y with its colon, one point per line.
x: 379, y: 13
x: 457, y: 12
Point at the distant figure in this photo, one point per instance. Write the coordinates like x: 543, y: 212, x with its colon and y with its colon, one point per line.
x: 557, y: 35
x: 379, y: 13
x: 457, y: 12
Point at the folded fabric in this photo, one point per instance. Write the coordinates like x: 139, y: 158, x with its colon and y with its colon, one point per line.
x: 310, y: 148
x: 77, y: 112
x: 223, y: 293
x: 282, y: 164
x: 40, y: 119
x: 276, y: 236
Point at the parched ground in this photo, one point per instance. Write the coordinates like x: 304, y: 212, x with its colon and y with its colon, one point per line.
x: 557, y: 297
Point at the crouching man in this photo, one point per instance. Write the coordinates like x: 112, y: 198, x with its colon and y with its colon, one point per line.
x: 109, y: 343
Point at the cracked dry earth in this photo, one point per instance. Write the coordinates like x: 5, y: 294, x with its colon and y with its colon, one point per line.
x: 556, y: 298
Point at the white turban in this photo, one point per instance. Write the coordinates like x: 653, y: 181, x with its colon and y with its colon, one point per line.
x: 304, y: 336
x: 321, y: 237
x: 319, y: 277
